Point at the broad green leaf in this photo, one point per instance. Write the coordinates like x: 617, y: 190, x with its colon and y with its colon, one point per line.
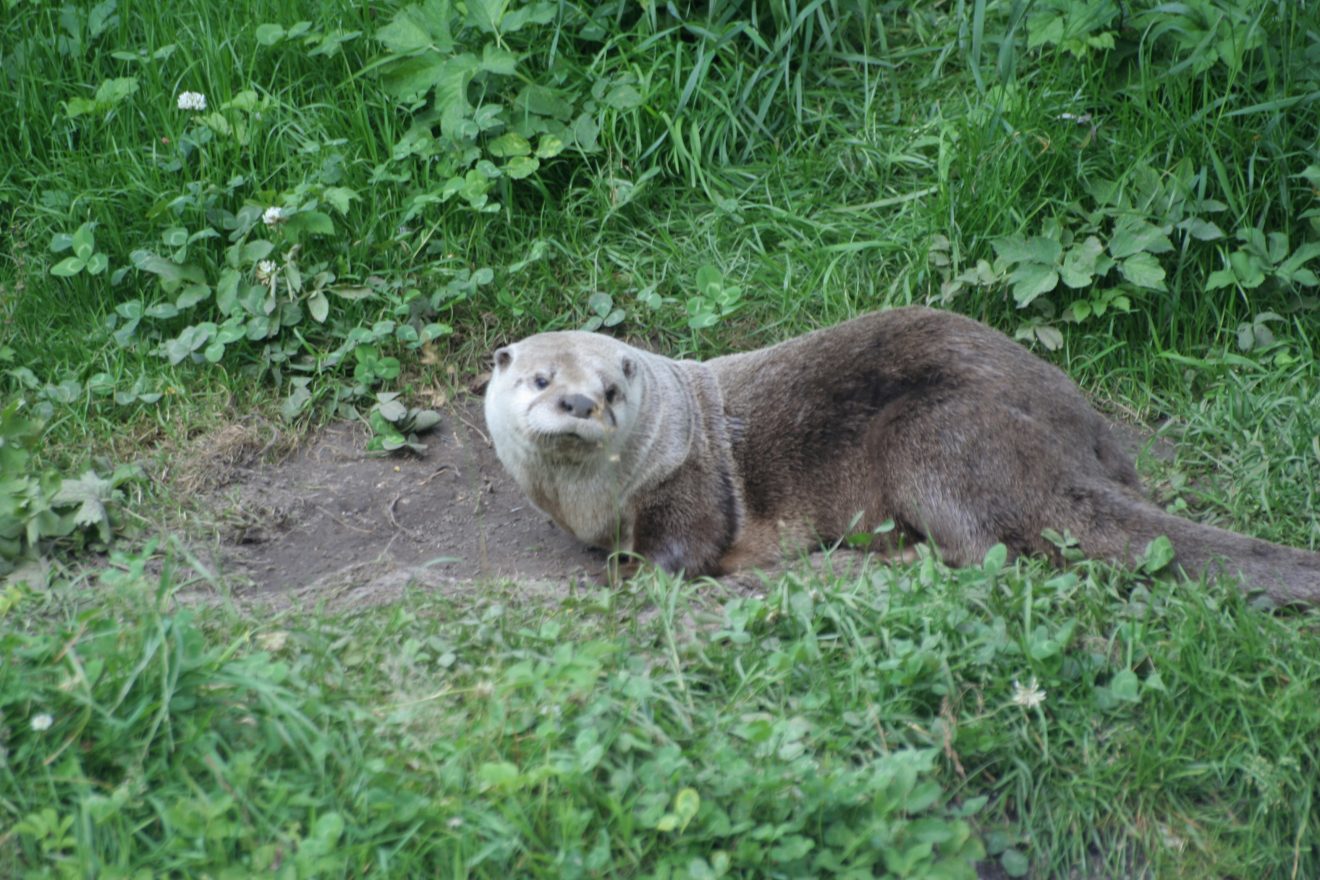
x: 318, y: 306
x: 521, y: 166
x: 100, y: 384
x: 97, y: 264
x: 1277, y: 247
x: 1015, y: 863
x: 230, y: 331
x: 497, y: 60
x: 89, y: 492
x: 392, y: 410
x: 255, y: 251
x: 269, y: 34
x: 84, y: 241
x: 192, y: 295
x: 1126, y: 686
x: 435, y: 331
x: 67, y: 267
x: 548, y: 146
x: 451, y: 91
x: 412, y: 30
x: 413, y: 76
x: 1030, y: 280
x: 499, y: 775
x: 1159, y: 553
x: 708, y: 279
x: 171, y: 274
x: 532, y: 13
x: 339, y: 197
x: 329, y: 828
x: 214, y: 352
x: 540, y: 100
x: 1037, y: 249
x: 1201, y: 230
x: 297, y: 401
x: 509, y: 144
x: 585, y: 131
x: 1291, y: 268
x: 1044, y: 30
x: 1143, y: 270
x: 1132, y: 235
x: 686, y: 804
x: 1079, y: 262
x: 113, y: 91
x: 60, y: 241
x: 1049, y: 337
x: 424, y: 420
x: 226, y: 291
x: 486, y: 14
x: 350, y: 292
x: 108, y: 95
x: 76, y: 107
x: 1220, y: 278
x: 623, y: 97
x: 314, y: 222
x: 175, y: 236
x: 1247, y: 269
x: 600, y: 303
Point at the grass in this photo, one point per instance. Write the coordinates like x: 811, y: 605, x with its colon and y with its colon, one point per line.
x: 823, y: 727
x: 825, y: 158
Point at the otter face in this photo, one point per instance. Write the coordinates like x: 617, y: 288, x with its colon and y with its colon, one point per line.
x: 566, y: 394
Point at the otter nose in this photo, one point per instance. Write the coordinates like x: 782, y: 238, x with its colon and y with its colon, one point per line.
x: 578, y: 405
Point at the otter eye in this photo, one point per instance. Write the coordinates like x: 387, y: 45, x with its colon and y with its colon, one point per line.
x: 611, y: 394
x: 541, y: 383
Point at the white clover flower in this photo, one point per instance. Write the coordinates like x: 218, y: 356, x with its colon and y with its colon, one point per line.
x: 42, y: 721
x: 272, y: 215
x: 192, y: 101
x: 456, y: 823
x: 266, y: 270
x: 1028, y: 697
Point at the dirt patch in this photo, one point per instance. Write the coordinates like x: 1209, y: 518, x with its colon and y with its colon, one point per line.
x: 327, y: 522
x: 330, y: 518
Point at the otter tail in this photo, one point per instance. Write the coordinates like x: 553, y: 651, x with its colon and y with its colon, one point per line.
x: 1123, y: 525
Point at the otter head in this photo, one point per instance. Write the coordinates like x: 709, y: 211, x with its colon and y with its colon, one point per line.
x: 566, y: 395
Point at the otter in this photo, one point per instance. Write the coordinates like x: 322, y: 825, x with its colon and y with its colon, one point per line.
x: 931, y: 421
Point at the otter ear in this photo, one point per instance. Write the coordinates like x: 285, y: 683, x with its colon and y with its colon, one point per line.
x: 629, y: 368
x: 503, y: 357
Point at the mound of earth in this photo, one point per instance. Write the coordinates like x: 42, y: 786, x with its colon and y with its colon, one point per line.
x: 330, y: 518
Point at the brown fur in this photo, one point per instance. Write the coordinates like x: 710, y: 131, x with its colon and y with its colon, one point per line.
x: 959, y: 435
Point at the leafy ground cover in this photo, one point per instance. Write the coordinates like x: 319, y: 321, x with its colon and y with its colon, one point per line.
x: 219, y: 211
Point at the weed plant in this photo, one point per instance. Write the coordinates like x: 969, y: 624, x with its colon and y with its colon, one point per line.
x: 318, y: 210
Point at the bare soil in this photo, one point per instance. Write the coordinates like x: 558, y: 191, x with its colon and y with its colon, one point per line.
x: 330, y: 520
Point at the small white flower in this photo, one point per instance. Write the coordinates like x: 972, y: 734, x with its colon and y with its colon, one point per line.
x: 265, y: 270
x: 272, y: 216
x: 456, y: 823
x: 1028, y: 697
x: 192, y: 101
x: 42, y: 721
